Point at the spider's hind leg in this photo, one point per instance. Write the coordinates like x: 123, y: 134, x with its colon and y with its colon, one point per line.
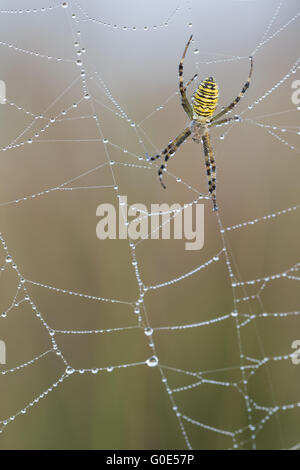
x: 210, y: 168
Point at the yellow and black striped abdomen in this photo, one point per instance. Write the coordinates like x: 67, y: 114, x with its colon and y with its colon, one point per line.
x: 205, y: 99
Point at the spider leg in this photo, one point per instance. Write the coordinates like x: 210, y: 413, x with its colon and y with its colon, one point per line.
x: 169, y: 151
x: 184, y: 101
x: 189, y: 82
x: 210, y: 168
x: 223, y: 121
x: 238, y: 98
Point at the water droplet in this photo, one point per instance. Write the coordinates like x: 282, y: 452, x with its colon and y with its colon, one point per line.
x: 64, y: 5
x: 109, y: 369
x: 148, y: 331
x: 105, y: 141
x: 152, y: 361
x: 196, y: 51
x: 8, y: 259
x: 70, y: 370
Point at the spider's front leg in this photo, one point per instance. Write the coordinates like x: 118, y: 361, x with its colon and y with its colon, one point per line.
x: 169, y: 151
x: 238, y: 98
x: 184, y: 101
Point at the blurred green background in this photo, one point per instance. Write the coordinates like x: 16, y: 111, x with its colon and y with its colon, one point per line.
x: 52, y: 237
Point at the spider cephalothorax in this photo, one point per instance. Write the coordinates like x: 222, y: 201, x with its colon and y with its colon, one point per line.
x: 201, y: 114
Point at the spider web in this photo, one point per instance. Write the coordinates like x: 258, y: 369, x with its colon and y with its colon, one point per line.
x: 141, y: 344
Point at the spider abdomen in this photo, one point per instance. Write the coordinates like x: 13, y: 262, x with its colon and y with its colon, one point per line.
x: 205, y: 99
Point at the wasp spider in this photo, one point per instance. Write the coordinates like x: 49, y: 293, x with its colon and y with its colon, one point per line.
x: 200, y: 112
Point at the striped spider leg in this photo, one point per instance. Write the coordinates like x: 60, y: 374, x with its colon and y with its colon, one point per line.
x: 184, y: 101
x: 169, y: 151
x: 210, y: 168
x: 238, y: 98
